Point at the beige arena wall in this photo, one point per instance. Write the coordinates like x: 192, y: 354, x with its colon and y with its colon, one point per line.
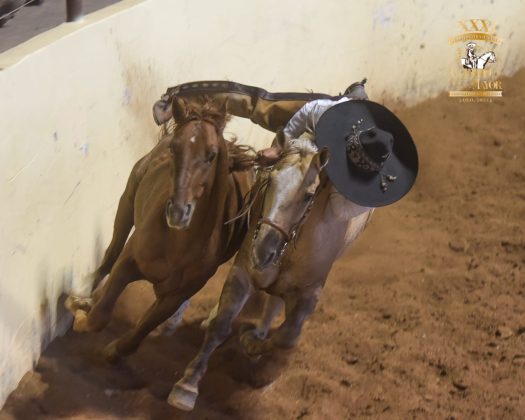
x: 75, y: 114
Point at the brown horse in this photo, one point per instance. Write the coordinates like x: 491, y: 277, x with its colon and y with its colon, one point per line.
x: 282, y: 255
x: 178, y: 197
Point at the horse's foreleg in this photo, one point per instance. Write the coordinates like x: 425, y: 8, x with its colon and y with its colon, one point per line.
x: 298, y: 307
x: 121, y: 228
x: 161, y: 310
x: 124, y: 272
x: 124, y: 221
x: 272, y: 306
x: 235, y: 292
x: 173, y: 322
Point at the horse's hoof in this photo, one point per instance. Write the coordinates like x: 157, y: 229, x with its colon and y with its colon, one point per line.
x: 183, y: 396
x: 75, y: 303
x: 80, y: 322
x: 250, y: 341
x: 111, y: 353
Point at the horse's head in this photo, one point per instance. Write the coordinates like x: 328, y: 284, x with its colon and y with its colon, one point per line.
x: 291, y: 188
x: 196, y: 147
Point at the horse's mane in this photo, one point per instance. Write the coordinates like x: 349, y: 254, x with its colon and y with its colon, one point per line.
x: 242, y: 157
x: 304, y: 146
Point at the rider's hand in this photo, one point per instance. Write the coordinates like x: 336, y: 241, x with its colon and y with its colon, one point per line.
x: 269, y: 156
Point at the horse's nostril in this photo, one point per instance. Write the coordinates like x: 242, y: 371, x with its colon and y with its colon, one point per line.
x: 269, y: 258
x: 187, y: 210
x: 169, y: 210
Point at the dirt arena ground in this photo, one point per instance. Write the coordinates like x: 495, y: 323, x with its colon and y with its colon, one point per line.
x: 423, y: 318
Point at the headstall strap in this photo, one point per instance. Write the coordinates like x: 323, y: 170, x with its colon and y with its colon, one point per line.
x: 288, y: 237
x: 361, y: 159
x: 285, y: 234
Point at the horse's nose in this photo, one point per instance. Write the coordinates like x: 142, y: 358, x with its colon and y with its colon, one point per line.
x: 178, y: 216
x: 265, y: 249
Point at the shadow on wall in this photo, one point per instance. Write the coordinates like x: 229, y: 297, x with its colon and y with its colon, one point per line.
x: 53, y: 318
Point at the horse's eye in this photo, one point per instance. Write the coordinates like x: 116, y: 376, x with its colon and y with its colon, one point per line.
x: 210, y: 157
x: 308, y: 196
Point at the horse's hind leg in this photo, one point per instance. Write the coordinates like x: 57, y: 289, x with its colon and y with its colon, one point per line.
x: 124, y: 272
x: 235, y: 292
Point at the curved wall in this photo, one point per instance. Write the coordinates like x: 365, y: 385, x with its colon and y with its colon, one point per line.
x: 75, y: 107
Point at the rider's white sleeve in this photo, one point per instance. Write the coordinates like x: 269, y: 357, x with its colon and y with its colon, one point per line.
x: 300, y: 122
x: 306, y: 118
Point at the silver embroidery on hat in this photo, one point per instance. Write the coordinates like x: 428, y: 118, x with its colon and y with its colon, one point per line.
x: 361, y: 159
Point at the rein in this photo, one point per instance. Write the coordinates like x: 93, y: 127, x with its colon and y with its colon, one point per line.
x: 246, y: 208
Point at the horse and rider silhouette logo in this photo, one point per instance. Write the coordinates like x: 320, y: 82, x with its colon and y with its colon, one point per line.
x: 472, y: 61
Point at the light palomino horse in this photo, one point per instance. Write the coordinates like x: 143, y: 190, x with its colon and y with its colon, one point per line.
x: 178, y: 197
x: 299, y: 203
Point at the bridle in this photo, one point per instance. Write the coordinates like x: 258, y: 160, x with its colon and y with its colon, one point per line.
x: 290, y: 235
x: 287, y: 236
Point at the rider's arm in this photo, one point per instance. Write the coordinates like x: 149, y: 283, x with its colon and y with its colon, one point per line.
x: 300, y: 122
x: 306, y: 118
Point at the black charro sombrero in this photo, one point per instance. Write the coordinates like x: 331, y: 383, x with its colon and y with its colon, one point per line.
x: 373, y: 159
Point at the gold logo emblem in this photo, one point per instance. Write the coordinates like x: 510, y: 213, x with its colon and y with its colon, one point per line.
x: 475, y: 68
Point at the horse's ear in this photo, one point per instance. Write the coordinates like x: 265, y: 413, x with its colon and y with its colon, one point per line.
x: 179, y: 109
x: 321, y: 158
